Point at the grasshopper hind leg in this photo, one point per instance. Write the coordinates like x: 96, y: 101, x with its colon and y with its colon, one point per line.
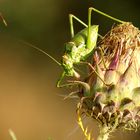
x: 71, y: 17
x: 106, y: 15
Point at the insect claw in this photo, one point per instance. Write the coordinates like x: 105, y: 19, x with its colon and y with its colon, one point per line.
x: 77, y: 75
x: 96, y: 73
x: 70, y: 94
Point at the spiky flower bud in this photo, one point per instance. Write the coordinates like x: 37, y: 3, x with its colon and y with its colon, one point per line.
x: 114, y: 80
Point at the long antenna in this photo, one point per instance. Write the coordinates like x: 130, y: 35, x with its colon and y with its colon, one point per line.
x: 33, y: 46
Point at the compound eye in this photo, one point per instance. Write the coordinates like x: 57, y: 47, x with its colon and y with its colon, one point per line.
x: 68, y: 47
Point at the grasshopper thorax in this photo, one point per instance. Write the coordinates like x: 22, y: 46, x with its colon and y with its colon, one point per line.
x: 79, y: 48
x: 82, y: 37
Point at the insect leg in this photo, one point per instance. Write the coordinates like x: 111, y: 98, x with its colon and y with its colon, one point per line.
x: 95, y: 72
x: 59, y: 85
x: 72, y: 83
x: 71, y: 17
x: 89, y: 41
x: 60, y: 79
x: 106, y: 15
x: 102, y: 55
x: 89, y: 24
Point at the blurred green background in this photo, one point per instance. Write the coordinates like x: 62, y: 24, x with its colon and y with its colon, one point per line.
x: 30, y: 104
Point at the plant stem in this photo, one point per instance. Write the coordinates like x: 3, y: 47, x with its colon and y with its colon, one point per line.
x: 104, y: 133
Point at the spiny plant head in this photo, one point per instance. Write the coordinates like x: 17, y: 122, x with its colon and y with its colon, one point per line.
x: 115, y: 102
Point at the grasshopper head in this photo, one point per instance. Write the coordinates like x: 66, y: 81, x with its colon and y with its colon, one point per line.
x: 67, y: 61
x: 67, y: 65
x: 69, y: 58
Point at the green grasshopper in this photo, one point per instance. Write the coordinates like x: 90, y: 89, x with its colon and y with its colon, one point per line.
x: 81, y: 45
x: 79, y: 48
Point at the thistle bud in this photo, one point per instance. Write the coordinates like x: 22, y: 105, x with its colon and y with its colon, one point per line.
x: 114, y: 99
